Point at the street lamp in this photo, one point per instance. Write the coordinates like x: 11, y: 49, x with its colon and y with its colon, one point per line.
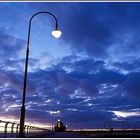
x: 56, y: 33
x: 52, y: 113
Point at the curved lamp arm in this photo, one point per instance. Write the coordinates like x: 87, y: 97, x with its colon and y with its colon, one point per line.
x: 30, y: 23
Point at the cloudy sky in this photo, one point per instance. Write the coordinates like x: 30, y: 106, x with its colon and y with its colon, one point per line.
x: 91, y: 74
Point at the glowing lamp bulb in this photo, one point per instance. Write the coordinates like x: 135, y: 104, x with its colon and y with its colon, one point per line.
x: 56, y: 33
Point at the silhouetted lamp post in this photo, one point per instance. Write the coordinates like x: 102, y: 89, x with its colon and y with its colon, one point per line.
x: 56, y: 33
x: 52, y: 113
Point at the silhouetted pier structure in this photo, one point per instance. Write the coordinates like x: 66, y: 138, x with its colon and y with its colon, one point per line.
x: 109, y: 125
x: 11, y: 129
x: 112, y: 129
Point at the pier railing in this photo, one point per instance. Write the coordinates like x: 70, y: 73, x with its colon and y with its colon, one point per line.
x: 11, y: 129
x: 109, y: 124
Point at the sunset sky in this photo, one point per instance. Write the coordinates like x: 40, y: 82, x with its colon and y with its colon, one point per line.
x: 91, y: 74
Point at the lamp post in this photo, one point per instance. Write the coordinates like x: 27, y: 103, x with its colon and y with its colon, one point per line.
x: 56, y: 33
x: 52, y: 113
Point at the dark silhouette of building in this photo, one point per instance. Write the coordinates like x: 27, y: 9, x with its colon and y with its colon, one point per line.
x: 60, y: 127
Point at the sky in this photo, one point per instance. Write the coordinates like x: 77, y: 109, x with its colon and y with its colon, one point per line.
x: 91, y: 74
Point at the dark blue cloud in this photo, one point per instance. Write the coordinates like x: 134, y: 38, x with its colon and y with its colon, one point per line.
x: 10, y: 45
x: 132, y: 84
x: 128, y: 65
x: 109, y: 76
x: 88, y: 119
x: 95, y: 32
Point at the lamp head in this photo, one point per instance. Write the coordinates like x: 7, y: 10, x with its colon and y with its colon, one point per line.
x: 56, y: 33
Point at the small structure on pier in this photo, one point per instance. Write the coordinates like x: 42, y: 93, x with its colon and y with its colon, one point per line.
x: 60, y: 127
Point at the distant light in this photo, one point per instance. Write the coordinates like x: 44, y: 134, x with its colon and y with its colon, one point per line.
x: 89, y: 104
x: 58, y: 111
x: 56, y: 33
x: 58, y: 120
